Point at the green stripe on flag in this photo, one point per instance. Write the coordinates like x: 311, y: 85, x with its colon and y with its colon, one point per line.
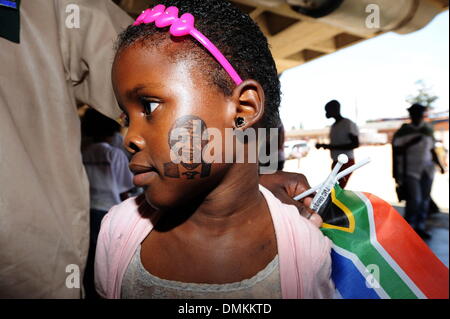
x: 359, y: 244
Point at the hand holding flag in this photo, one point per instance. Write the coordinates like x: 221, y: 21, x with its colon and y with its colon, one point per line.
x: 376, y: 254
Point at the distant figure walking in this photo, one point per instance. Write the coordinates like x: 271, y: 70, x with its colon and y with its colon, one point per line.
x: 414, y: 160
x: 343, y: 138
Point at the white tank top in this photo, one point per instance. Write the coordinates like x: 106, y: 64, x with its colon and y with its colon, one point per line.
x: 138, y: 283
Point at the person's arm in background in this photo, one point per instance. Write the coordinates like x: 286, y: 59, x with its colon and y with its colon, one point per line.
x: 345, y: 147
x: 403, y: 148
x: 88, y: 51
x: 395, y: 162
x: 437, y: 161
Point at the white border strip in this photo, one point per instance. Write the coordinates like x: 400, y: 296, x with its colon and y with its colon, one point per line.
x: 384, y: 253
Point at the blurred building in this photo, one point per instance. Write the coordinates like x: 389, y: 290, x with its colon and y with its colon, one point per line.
x: 380, y: 131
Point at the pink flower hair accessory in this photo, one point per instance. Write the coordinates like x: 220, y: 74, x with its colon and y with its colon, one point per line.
x: 167, y: 18
x: 150, y: 15
x: 182, y: 26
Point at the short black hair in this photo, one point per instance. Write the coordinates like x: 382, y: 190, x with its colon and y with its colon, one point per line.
x: 334, y: 104
x: 417, y: 108
x: 235, y: 34
x: 98, y: 126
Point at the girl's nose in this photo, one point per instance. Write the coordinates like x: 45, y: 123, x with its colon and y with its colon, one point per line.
x: 134, y: 143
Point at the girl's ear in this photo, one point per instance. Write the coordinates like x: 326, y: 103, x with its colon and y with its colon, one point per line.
x: 248, y: 98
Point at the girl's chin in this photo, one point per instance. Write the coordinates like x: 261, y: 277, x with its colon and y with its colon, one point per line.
x: 161, y: 199
x: 167, y: 194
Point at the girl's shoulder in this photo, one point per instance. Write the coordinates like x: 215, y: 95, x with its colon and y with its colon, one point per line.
x: 124, y: 217
x: 122, y: 228
x: 304, y: 252
x: 290, y: 225
x: 121, y: 214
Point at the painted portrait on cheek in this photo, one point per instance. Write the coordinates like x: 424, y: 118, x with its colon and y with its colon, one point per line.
x: 187, y: 139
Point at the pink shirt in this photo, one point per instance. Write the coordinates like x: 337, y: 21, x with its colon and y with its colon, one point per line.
x: 304, y: 252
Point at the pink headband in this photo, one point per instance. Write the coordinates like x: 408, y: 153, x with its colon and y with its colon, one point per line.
x: 182, y: 26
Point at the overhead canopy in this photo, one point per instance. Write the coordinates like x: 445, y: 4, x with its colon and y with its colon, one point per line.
x: 300, y: 31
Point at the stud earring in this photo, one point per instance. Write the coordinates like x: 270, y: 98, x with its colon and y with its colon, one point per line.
x: 240, y: 121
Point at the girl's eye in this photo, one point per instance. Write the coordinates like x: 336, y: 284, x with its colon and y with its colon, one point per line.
x: 149, y: 106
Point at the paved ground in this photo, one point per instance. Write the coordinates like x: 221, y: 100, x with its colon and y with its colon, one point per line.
x: 376, y: 178
x: 438, y: 225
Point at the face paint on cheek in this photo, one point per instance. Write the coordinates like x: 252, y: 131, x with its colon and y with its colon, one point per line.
x: 187, y: 144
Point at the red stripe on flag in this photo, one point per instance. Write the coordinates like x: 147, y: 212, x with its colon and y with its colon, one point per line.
x: 409, y: 251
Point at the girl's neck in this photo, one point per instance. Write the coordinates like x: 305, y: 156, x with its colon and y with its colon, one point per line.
x: 236, y: 201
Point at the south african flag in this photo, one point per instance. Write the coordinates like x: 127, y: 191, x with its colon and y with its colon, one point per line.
x: 376, y: 254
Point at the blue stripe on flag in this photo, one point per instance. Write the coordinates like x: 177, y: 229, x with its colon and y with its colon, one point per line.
x: 349, y: 282
x: 10, y: 4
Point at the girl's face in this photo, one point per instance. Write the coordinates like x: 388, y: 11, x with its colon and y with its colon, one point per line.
x: 158, y: 95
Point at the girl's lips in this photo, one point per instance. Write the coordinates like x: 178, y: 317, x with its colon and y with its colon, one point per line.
x: 143, y: 179
x: 143, y: 173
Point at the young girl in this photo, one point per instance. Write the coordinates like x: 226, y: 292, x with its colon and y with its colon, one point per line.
x: 202, y: 229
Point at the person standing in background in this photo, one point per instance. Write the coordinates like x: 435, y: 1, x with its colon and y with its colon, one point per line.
x: 343, y: 138
x: 58, y: 53
x: 414, y: 160
x: 110, y: 179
